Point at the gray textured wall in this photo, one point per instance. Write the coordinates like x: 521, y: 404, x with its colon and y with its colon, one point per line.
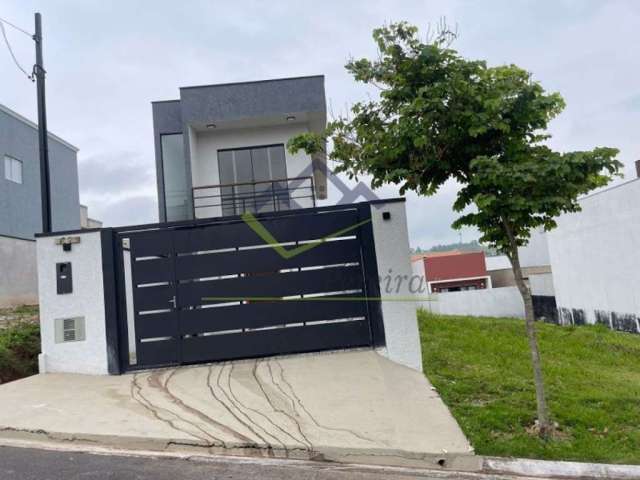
x: 235, y: 101
x: 18, y: 275
x: 20, y: 204
x: 167, y: 119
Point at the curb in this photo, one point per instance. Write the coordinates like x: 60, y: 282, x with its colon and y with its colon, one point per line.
x: 461, y: 462
x: 459, y: 467
x: 558, y: 469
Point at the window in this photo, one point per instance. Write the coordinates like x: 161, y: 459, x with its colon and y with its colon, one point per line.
x: 12, y: 169
x: 249, y: 171
x: 174, y: 173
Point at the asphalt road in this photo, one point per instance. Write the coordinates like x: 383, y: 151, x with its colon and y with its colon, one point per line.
x: 32, y: 464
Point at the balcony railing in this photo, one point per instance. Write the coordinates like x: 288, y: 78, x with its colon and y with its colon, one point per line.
x: 255, y: 197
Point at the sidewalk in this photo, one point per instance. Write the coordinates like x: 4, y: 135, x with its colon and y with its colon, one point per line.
x: 355, y: 407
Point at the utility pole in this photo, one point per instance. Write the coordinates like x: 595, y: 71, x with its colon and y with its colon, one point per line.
x: 45, y: 186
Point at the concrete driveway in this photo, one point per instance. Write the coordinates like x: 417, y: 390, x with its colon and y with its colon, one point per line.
x: 353, y: 406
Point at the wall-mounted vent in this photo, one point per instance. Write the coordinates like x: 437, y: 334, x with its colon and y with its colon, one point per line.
x: 69, y: 329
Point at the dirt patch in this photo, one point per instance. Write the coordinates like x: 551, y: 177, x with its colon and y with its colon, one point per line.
x: 23, y: 313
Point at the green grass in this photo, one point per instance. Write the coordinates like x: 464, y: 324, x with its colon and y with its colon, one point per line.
x: 19, y: 348
x: 481, y: 368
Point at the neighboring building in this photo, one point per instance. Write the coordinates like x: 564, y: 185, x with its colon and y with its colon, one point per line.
x: 221, y: 149
x: 499, y: 269
x: 20, y: 207
x: 87, y: 222
x: 536, y: 270
x: 453, y: 271
x: 458, y: 283
x: 596, y: 262
x: 468, y: 283
x: 585, y: 271
x: 501, y: 273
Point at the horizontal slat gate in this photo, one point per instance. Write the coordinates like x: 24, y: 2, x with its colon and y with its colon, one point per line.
x: 216, y: 292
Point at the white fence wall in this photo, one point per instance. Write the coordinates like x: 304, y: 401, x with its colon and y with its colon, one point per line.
x: 595, y: 259
x: 492, y: 302
x: 86, y: 301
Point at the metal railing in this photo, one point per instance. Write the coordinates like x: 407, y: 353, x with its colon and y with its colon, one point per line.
x: 256, y: 197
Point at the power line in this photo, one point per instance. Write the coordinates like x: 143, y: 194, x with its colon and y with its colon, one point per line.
x: 30, y: 35
x: 6, y: 41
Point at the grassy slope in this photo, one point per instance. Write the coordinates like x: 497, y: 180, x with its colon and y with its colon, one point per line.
x: 481, y: 367
x: 19, y: 343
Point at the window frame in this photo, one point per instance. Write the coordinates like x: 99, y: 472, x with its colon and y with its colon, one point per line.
x: 162, y: 165
x: 249, y: 148
x: 254, y: 147
x: 9, y: 173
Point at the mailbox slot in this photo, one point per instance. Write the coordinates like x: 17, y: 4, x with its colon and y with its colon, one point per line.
x: 64, y: 278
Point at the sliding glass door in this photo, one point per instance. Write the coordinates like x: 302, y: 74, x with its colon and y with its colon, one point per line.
x: 249, y: 179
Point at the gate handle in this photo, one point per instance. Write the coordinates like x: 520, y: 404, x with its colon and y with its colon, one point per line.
x: 173, y: 301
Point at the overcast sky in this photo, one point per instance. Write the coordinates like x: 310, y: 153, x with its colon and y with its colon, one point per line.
x: 107, y: 60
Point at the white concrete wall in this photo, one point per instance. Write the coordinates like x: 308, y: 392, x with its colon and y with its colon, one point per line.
x: 595, y: 256
x: 204, y: 157
x: 541, y: 284
x: 498, y: 262
x: 84, y: 216
x: 86, y: 221
x: 18, y: 272
x: 536, y: 252
x: 419, y: 285
x: 87, y: 300
x: 493, y: 302
x: 398, y: 311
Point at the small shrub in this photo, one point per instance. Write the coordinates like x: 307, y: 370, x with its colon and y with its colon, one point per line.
x: 19, y: 349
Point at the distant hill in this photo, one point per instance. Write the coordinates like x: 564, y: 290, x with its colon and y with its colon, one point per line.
x: 472, y: 246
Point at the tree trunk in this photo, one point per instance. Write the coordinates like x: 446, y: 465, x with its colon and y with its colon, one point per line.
x: 544, y: 423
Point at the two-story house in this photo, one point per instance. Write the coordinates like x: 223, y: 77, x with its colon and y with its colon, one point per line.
x: 201, y: 285
x: 221, y: 149
x: 20, y: 207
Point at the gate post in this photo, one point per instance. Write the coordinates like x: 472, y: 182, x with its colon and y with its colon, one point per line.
x: 391, y: 237
x: 108, y: 238
x: 371, y: 276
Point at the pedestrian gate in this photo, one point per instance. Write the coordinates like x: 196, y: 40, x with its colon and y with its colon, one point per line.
x: 215, y: 290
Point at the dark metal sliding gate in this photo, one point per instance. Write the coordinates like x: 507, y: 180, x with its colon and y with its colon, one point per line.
x: 216, y: 290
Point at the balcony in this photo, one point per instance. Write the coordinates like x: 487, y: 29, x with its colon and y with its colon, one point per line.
x: 255, y: 197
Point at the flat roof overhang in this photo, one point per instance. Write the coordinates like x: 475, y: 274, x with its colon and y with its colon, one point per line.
x: 287, y: 101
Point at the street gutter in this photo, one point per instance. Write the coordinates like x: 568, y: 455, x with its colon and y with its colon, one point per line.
x: 494, y: 468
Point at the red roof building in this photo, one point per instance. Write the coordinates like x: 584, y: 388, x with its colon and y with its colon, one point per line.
x: 454, y: 271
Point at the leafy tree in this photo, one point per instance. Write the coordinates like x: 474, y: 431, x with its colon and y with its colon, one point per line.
x: 441, y: 116
x: 472, y: 246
